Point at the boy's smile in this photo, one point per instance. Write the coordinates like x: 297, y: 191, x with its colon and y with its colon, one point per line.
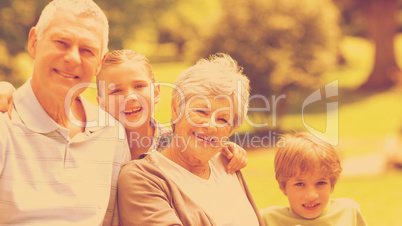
x: 308, y: 194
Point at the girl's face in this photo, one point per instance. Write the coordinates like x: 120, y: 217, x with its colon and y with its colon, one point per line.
x: 129, y: 94
x: 308, y: 194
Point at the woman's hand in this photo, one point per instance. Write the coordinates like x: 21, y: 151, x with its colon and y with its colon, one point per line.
x: 6, y: 97
x: 237, y: 156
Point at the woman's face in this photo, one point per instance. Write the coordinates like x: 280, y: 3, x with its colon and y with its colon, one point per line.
x: 203, y: 125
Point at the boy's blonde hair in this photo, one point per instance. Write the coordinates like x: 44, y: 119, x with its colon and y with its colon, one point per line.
x: 301, y: 153
x: 117, y: 57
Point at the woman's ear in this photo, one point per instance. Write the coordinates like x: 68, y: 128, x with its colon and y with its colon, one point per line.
x: 173, y: 116
x: 174, y: 112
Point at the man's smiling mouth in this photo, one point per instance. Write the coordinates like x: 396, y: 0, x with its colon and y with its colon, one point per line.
x: 65, y: 75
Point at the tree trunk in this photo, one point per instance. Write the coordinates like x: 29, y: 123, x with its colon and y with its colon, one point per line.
x: 380, y: 16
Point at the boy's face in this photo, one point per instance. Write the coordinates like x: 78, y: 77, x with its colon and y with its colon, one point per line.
x: 308, y: 194
x: 128, y: 94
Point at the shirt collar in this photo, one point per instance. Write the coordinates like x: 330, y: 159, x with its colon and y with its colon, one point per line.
x: 35, y: 117
x: 93, y: 114
x: 31, y: 111
x: 157, y: 129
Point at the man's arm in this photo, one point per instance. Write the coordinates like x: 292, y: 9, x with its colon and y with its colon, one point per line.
x: 6, y: 97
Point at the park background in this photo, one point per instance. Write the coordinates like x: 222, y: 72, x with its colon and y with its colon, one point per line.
x: 287, y: 47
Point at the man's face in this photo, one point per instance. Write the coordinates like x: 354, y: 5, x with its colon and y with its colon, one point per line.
x: 68, y: 53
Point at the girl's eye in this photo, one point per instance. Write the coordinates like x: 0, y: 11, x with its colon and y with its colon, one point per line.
x: 299, y: 184
x: 138, y: 86
x: 115, y: 91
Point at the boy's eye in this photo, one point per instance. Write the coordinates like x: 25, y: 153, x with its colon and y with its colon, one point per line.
x: 138, y: 86
x: 322, y: 183
x: 299, y: 184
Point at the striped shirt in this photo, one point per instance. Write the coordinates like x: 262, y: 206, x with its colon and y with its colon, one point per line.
x: 162, y: 138
x: 47, y: 178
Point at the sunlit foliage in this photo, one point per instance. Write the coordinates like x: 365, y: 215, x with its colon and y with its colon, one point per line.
x: 281, y: 44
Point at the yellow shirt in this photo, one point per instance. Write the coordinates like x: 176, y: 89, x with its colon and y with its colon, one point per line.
x: 339, y: 212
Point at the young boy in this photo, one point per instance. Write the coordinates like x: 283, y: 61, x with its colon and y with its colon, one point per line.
x: 307, y: 170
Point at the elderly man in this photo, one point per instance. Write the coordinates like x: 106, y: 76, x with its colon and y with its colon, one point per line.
x: 58, y: 164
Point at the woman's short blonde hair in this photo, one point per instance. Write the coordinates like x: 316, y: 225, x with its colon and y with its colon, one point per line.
x: 117, y: 57
x: 301, y: 153
x: 217, y: 75
x: 78, y: 7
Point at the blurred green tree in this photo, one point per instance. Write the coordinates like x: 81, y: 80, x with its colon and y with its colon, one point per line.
x: 143, y: 25
x: 284, y: 46
x: 139, y: 24
x: 380, y: 17
x: 376, y: 20
x: 16, y: 18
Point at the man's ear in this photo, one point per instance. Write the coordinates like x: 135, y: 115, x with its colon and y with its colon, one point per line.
x: 98, y: 68
x: 157, y: 90
x: 283, y: 189
x: 101, y: 102
x: 32, y: 41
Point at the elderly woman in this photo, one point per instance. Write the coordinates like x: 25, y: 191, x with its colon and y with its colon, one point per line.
x: 187, y: 183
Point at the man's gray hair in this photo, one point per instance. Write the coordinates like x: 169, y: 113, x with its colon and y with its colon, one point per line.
x: 78, y: 7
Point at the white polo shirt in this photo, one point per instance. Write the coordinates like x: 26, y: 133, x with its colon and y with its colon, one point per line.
x: 46, y: 178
